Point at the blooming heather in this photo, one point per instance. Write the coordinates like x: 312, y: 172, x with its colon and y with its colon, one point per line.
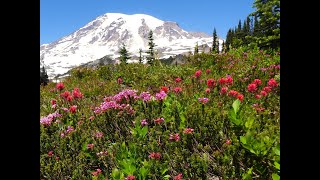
x: 208, y: 71
x: 188, y: 131
x: 144, y: 122
x: 228, y: 141
x: 159, y: 120
x: 154, y: 155
x: 272, y: 83
x: 102, y: 153
x: 130, y: 177
x: 203, y: 100
x: 211, y: 83
x: 160, y: 96
x: 49, y: 118
x: 119, y: 80
x: 73, y: 109
x: 178, y: 177
x: 207, y: 90
x: 69, y: 130
x: 198, y: 73
x: 257, y: 96
x: 60, y: 86
x: 177, y: 90
x: 252, y: 87
x: 174, y: 137
x: 178, y: 80
x: 145, y: 96
x: 97, y: 172
x: 99, y: 134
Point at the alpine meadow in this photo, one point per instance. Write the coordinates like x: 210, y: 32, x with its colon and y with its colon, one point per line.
x: 164, y: 104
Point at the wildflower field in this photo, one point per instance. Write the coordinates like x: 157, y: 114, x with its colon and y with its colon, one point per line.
x: 216, y: 116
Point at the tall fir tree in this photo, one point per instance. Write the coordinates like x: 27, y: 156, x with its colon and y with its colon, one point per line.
x: 223, y: 49
x: 228, y: 40
x: 44, y: 80
x: 150, y: 57
x: 124, y: 55
x: 214, y: 42
x: 268, y: 14
x: 140, y: 56
x: 196, y: 49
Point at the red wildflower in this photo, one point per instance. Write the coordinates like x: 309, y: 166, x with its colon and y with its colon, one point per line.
x: 53, y: 102
x: 252, y: 87
x: 188, y: 131
x: 222, y: 81
x: 263, y: 93
x: 257, y: 82
x: 223, y: 90
x: 228, y: 141
x: 207, y: 90
x: 257, y: 96
x: 198, y: 73
x: 211, y: 83
x: 165, y: 89
x: 208, y: 71
x: 233, y: 93
x: 178, y: 177
x: 240, y: 97
x: 76, y: 93
x: 65, y: 94
x: 229, y: 80
x: 50, y: 153
x: 73, y: 109
x: 60, y: 86
x: 267, y: 89
x: 178, y: 79
x: 119, y: 80
x: 90, y: 146
x: 130, y: 177
x: 159, y: 120
x: 57, y: 158
x: 155, y: 155
x: 174, y: 137
x: 97, y: 172
x: 272, y: 83
x: 177, y: 89
x: 69, y: 98
x: 91, y: 118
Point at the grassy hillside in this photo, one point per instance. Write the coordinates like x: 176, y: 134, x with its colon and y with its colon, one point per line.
x: 215, y: 116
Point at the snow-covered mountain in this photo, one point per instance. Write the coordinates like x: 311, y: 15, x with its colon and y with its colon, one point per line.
x: 105, y: 35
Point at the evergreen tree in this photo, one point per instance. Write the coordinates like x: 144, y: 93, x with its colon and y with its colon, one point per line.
x: 140, y: 56
x: 268, y: 20
x: 228, y: 40
x: 223, y: 49
x: 43, y: 76
x: 214, y: 42
x: 196, y: 49
x: 150, y: 57
x: 124, y: 56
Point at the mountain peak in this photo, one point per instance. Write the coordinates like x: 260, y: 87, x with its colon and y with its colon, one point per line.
x: 104, y: 36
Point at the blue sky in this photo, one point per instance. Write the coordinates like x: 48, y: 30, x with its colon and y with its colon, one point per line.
x: 59, y: 18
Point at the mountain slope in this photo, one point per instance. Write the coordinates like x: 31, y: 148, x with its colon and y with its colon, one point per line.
x: 105, y: 35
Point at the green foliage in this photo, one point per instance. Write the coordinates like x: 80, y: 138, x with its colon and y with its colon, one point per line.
x: 150, y: 52
x: 231, y: 139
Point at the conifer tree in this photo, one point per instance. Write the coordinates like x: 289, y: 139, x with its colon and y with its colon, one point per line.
x: 223, y: 49
x: 150, y: 57
x: 214, y: 42
x: 43, y: 76
x: 124, y: 56
x: 140, y: 56
x: 196, y: 49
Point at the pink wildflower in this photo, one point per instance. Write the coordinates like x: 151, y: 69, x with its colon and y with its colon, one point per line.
x: 174, y: 137
x: 188, y: 131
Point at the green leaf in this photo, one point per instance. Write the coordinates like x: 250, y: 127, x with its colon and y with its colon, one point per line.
x: 166, y: 177
x: 144, y: 131
x: 243, y: 139
x: 236, y: 105
x: 249, y: 123
x: 277, y: 165
x: 277, y: 150
x: 275, y: 176
x: 247, y: 175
